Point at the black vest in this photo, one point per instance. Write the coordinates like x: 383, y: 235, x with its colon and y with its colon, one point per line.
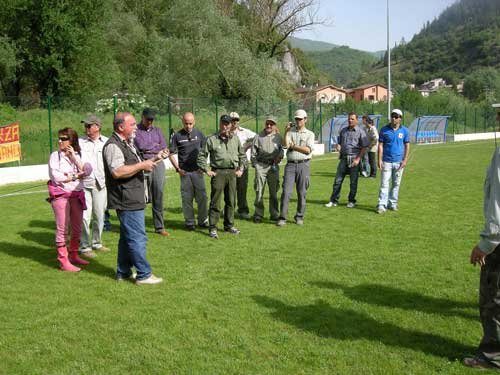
x: 125, y: 194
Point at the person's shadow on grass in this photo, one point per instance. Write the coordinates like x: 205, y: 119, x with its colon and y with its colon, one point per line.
x: 343, y: 324
x: 381, y: 295
x: 48, y: 257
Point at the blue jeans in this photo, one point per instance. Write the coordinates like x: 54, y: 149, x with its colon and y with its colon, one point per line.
x: 132, y: 245
x: 344, y: 169
x: 390, y: 174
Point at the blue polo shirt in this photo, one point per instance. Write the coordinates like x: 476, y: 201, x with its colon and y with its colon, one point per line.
x: 393, y: 142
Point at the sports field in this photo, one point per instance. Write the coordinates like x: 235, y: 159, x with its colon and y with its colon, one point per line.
x: 350, y: 292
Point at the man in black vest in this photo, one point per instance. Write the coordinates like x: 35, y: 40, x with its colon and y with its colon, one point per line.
x: 124, y: 171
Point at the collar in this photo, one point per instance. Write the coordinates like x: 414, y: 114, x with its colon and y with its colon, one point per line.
x: 142, y: 127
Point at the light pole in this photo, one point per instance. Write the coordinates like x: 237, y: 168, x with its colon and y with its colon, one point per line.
x: 388, y: 67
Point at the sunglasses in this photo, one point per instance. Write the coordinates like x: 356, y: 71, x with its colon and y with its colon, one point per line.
x: 63, y: 138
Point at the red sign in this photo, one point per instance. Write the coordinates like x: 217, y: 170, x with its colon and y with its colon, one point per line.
x: 10, y: 148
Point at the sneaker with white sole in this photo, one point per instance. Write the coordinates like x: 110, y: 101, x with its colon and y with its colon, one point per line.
x: 331, y: 204
x: 213, y: 234
x: 149, y: 281
x: 232, y: 230
x: 281, y: 222
x: 380, y: 210
x: 88, y: 254
x: 299, y: 221
x: 351, y: 205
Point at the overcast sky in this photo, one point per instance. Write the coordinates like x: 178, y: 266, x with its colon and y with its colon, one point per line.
x: 361, y: 24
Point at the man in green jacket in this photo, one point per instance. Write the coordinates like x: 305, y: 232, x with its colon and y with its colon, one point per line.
x: 227, y: 161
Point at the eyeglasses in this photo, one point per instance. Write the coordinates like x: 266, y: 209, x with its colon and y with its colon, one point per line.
x: 63, y: 138
x: 395, y: 116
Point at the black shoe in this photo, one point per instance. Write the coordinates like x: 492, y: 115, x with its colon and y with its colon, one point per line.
x: 204, y: 225
x: 257, y: 220
x: 190, y: 227
x: 232, y: 230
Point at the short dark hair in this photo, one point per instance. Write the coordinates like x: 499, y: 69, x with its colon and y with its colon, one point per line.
x: 353, y: 114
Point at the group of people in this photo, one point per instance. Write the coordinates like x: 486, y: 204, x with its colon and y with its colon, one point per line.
x: 90, y: 174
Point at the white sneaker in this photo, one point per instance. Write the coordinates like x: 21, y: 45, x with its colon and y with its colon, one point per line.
x: 281, y: 223
x: 149, y: 281
x: 351, y: 205
x: 331, y: 204
x: 380, y: 210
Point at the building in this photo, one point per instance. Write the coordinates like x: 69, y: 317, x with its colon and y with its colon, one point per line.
x: 373, y: 92
x: 323, y: 94
x: 431, y: 86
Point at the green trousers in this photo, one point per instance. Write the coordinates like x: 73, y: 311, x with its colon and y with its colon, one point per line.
x: 270, y: 175
x: 223, y: 183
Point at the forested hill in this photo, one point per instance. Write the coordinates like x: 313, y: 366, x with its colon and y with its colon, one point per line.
x: 464, y: 37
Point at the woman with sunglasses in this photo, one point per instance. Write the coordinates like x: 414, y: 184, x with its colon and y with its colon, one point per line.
x: 67, y: 198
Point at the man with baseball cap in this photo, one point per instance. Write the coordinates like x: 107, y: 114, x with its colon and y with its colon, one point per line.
x: 393, y: 152
x: 267, y: 152
x: 487, y: 254
x: 149, y: 141
x: 227, y: 162
x: 246, y: 137
x: 299, y: 143
x: 94, y: 187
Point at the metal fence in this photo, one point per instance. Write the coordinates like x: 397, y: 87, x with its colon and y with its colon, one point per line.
x: 41, y: 117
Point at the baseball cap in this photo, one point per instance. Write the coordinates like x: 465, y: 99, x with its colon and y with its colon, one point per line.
x: 300, y: 114
x: 397, y: 111
x: 91, y: 119
x: 271, y: 119
x: 149, y: 113
x: 234, y: 116
x: 225, y: 118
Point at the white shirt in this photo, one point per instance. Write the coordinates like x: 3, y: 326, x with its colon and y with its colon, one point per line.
x: 92, y: 154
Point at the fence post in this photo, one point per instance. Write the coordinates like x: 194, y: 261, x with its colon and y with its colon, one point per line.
x: 256, y: 115
x: 465, y: 119
x: 169, y: 116
x: 321, y: 121
x: 49, y: 108
x: 115, y: 105
x: 334, y: 109
x: 216, y: 114
x: 289, y: 110
x: 314, y: 116
x: 475, y: 120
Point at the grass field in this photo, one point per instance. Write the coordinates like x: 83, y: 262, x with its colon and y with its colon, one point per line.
x: 350, y: 292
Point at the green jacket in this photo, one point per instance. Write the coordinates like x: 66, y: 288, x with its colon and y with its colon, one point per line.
x: 224, y: 154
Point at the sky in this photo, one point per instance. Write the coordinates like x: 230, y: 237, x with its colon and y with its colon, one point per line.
x: 361, y: 24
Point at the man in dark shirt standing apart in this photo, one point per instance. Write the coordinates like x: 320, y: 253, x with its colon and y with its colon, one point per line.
x: 352, y: 146
x: 186, y: 143
x: 227, y: 162
x: 149, y: 141
x: 124, y: 171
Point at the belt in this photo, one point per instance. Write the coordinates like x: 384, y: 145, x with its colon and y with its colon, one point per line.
x: 298, y: 161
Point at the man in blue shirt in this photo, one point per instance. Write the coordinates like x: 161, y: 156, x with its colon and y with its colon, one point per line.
x: 393, y: 151
x: 352, y: 146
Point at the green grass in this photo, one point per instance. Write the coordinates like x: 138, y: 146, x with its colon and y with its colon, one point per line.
x: 350, y: 292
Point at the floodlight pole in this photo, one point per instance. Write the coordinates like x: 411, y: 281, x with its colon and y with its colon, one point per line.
x: 388, y: 67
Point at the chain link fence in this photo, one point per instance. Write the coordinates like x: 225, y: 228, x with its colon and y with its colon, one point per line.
x: 41, y: 117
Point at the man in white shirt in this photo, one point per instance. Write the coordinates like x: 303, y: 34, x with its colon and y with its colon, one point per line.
x: 94, y: 186
x: 246, y: 137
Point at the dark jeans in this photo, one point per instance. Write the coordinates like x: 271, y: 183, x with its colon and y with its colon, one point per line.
x: 223, y: 183
x: 343, y: 170
x: 489, y: 307
x: 241, y: 188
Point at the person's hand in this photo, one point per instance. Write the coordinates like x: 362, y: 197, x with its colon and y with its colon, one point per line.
x: 380, y: 165
x: 148, y: 165
x: 181, y: 171
x: 211, y: 173
x: 338, y: 147
x: 70, y: 151
x: 355, y: 162
x: 477, y: 256
x: 402, y: 165
x: 288, y: 127
x: 238, y: 173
